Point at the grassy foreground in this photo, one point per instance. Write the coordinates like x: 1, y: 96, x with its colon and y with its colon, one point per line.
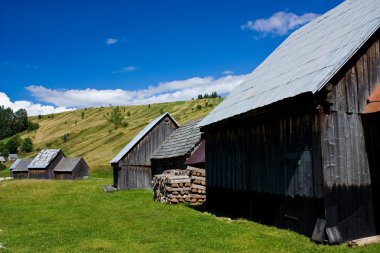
x: 76, y: 216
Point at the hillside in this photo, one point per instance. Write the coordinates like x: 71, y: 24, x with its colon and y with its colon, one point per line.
x: 95, y: 139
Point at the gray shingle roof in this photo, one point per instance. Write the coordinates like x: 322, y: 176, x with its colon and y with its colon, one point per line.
x: 43, y: 159
x: 183, y: 140
x: 139, y: 136
x: 67, y: 164
x: 306, y: 60
x: 21, y: 164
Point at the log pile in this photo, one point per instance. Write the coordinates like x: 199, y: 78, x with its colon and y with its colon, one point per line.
x: 198, y: 184
x: 179, y: 186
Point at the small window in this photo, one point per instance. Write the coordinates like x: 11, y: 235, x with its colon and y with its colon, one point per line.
x: 166, y: 121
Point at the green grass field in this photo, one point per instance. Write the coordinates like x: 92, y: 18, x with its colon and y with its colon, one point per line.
x: 96, y: 139
x: 77, y: 216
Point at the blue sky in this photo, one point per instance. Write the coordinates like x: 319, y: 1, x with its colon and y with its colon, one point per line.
x: 56, y: 55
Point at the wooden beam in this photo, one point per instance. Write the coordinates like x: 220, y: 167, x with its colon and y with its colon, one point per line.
x: 364, y: 241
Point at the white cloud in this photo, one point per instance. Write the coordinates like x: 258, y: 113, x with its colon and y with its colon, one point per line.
x: 31, y: 108
x: 228, y: 72
x: 163, y: 92
x: 125, y: 69
x: 110, y: 41
x: 279, y: 23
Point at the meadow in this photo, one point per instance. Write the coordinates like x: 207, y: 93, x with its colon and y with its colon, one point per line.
x: 77, y: 216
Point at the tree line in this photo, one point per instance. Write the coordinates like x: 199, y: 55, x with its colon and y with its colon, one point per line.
x: 12, y: 123
x: 213, y: 94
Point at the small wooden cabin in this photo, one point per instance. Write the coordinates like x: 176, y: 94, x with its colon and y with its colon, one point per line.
x: 295, y: 145
x: 19, y: 169
x: 71, y: 168
x: 43, y: 164
x: 175, y: 151
x: 2, y: 159
x: 198, y: 157
x: 12, y: 157
x: 131, y: 166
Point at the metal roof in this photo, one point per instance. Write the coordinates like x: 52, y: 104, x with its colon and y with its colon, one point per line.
x: 12, y: 156
x: 183, y: 140
x: 306, y: 60
x: 2, y: 159
x: 43, y: 159
x: 67, y: 163
x: 21, y: 164
x: 139, y: 136
x: 198, y: 156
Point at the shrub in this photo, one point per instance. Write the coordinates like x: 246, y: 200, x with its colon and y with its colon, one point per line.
x: 27, y: 145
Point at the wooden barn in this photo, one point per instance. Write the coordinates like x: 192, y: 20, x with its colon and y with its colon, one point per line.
x: 2, y: 159
x: 299, y: 140
x: 177, y: 149
x: 43, y: 164
x: 71, y: 168
x: 131, y: 166
x: 19, y: 169
x: 198, y: 157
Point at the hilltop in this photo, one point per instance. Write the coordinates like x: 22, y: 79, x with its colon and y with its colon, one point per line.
x: 94, y: 138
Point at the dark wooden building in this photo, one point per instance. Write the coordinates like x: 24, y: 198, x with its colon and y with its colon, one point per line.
x: 43, y: 164
x: 19, y: 169
x: 300, y: 138
x: 198, y: 157
x: 177, y: 149
x: 71, y: 168
x: 132, y: 167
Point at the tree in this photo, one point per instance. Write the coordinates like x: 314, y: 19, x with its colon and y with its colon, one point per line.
x: 65, y: 138
x: 200, y: 96
x: 199, y: 107
x: 27, y: 145
x: 128, y: 113
x: 3, y: 150
x: 39, y: 116
x: 116, y: 117
x: 32, y: 126
x: 82, y: 115
x: 161, y: 111
x: 12, y: 123
x: 13, y: 144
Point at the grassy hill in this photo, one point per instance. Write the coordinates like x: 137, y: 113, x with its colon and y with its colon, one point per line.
x: 96, y: 139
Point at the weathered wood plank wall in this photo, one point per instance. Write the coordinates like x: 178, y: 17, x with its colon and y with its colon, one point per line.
x: 271, y: 155
x: 138, y: 159
x: 141, y: 153
x: 348, y: 179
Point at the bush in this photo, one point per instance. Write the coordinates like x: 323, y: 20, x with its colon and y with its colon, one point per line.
x: 32, y: 126
x: 27, y: 145
x: 124, y: 124
x: 13, y: 144
x: 199, y: 107
x: 65, y: 138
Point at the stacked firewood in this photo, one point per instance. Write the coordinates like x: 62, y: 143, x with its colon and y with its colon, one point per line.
x: 198, y: 184
x: 178, y: 186
x: 172, y: 187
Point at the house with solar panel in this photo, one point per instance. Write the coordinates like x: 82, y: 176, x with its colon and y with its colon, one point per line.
x: 297, y: 144
x: 174, y: 152
x: 43, y: 164
x: 132, y: 166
